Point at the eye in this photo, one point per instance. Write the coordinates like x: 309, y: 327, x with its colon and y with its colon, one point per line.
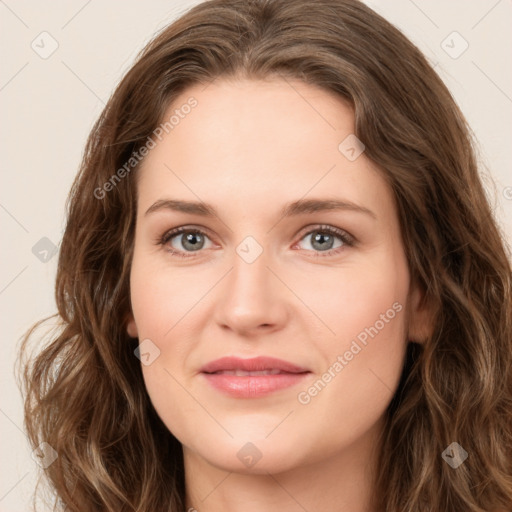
x: 184, y: 240
x: 323, y: 238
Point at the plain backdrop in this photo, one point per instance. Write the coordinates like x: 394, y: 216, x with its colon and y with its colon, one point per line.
x: 49, y: 102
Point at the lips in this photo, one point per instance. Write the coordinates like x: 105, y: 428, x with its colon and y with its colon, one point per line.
x: 255, y: 364
x: 244, y: 373
x: 251, y: 378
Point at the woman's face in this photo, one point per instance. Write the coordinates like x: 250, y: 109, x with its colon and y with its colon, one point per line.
x: 292, y: 251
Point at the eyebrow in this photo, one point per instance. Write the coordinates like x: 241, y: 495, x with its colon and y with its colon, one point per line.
x: 290, y: 209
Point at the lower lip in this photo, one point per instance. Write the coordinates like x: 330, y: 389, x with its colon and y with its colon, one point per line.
x: 253, y: 386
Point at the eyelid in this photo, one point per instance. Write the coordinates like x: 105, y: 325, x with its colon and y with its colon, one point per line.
x: 342, y: 233
x: 173, y: 232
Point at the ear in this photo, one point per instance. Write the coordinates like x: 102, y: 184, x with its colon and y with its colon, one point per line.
x: 421, y: 316
x: 131, y: 326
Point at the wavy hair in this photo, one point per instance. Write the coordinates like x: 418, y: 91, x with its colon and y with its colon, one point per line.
x: 83, y: 391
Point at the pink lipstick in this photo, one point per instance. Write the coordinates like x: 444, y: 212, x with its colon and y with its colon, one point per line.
x: 252, y: 378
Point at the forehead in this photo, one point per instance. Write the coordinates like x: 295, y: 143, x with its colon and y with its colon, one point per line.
x: 259, y: 141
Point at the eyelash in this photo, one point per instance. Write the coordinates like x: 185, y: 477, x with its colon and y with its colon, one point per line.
x: 348, y: 240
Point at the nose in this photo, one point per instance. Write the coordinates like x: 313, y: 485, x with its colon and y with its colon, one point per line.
x: 251, y: 299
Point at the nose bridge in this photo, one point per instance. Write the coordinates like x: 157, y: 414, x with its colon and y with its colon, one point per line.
x: 251, y: 295
x: 250, y: 277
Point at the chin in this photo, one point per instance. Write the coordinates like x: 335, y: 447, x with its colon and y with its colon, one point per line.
x: 254, y: 458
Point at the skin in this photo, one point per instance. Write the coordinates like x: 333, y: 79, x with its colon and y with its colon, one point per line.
x: 248, y: 148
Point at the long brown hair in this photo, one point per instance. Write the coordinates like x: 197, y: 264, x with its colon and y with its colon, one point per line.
x: 84, y: 392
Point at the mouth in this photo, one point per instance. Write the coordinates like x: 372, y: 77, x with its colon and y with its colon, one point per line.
x: 244, y: 373
x: 252, y: 378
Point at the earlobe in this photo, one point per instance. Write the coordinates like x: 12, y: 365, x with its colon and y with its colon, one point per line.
x: 131, y: 327
x: 421, y: 316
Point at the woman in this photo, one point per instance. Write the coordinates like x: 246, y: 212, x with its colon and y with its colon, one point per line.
x: 212, y: 355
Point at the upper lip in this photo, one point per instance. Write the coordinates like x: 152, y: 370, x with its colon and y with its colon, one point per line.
x: 251, y: 365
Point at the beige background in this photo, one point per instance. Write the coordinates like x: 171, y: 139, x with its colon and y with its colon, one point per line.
x: 48, y: 105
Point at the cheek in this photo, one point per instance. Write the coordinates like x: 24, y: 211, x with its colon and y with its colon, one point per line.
x: 348, y: 300
x: 162, y: 298
x: 363, y: 361
x: 165, y: 306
